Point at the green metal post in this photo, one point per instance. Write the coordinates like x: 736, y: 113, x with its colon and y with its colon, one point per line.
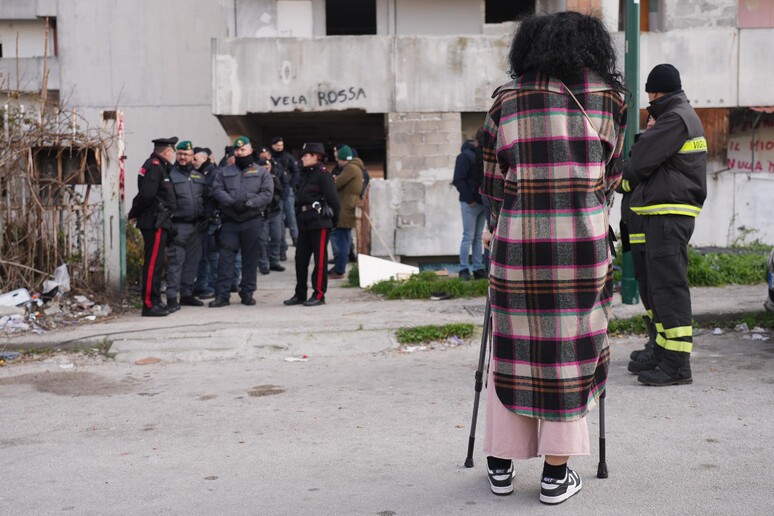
x: 629, y: 293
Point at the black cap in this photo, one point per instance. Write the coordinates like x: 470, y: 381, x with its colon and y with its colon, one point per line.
x: 314, y: 148
x: 276, y: 139
x: 166, y: 142
x: 208, y: 151
x: 197, y: 150
x: 664, y: 78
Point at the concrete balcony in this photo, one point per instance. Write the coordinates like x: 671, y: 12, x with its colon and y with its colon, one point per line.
x: 26, y: 74
x: 720, y: 67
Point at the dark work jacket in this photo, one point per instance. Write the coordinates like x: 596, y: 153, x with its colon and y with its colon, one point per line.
x: 189, y: 186
x: 290, y: 166
x: 155, y: 201
x: 316, y: 186
x: 467, y: 178
x: 253, y: 186
x: 669, y: 161
x: 210, y: 205
x: 280, y: 181
x: 634, y: 222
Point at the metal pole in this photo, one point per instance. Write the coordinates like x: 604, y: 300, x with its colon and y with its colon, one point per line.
x: 485, y: 336
x: 629, y: 294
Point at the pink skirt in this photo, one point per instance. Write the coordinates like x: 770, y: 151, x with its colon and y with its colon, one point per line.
x: 512, y: 436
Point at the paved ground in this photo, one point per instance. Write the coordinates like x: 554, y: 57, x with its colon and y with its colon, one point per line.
x: 225, y: 425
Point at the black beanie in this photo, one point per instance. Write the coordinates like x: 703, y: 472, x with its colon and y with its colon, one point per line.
x: 664, y: 78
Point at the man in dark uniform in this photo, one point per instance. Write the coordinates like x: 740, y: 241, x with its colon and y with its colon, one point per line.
x: 317, y: 211
x: 273, y: 224
x: 242, y: 190
x: 186, y: 248
x: 669, y: 165
x: 208, y: 264
x: 153, y: 208
x: 290, y: 167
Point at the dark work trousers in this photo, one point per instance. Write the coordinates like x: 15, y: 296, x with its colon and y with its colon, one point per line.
x: 236, y: 236
x: 641, y: 274
x: 312, y: 244
x: 155, y: 241
x: 272, y: 233
x: 183, y: 254
x: 666, y: 248
x: 208, y: 264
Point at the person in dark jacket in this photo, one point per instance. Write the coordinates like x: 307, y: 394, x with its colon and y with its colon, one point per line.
x: 153, y: 207
x: 317, y: 212
x: 633, y: 242
x: 467, y: 180
x: 208, y: 264
x: 669, y: 165
x: 290, y: 168
x: 273, y: 226
x: 242, y: 190
x: 185, y: 249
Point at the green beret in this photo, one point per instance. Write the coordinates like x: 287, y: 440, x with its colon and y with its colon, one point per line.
x: 184, y: 145
x: 241, y: 142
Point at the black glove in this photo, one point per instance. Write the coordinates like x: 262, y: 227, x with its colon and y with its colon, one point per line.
x: 239, y: 207
x: 202, y: 225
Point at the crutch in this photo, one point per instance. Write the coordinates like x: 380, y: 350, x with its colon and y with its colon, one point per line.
x: 486, y: 333
x: 602, y: 468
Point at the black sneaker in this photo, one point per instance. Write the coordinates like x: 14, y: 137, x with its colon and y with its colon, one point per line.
x: 219, y: 302
x: 480, y: 274
x: 553, y: 491
x: 277, y: 267
x: 500, y: 480
x: 154, y: 311
x: 172, y: 305
x: 660, y: 378
x: 465, y: 275
x: 295, y: 300
x: 283, y: 257
x: 190, y: 301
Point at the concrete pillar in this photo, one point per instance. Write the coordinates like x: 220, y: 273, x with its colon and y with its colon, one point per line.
x: 113, y: 220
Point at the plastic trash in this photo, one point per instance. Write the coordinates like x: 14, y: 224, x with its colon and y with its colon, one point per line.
x: 9, y: 355
x: 16, y: 297
x: 297, y: 359
x: 717, y: 331
x: 61, y: 281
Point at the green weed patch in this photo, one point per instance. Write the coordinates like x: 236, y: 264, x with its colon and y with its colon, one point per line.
x: 433, y: 333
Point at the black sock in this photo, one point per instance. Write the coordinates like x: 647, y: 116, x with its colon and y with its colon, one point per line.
x: 497, y: 463
x: 557, y: 472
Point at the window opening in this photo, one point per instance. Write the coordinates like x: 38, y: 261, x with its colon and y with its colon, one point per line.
x: 502, y: 11
x: 350, y: 17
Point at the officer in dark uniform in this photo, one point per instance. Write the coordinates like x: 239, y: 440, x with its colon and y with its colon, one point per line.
x: 153, y: 208
x: 669, y: 165
x: 273, y: 222
x: 208, y: 264
x: 242, y: 190
x: 317, y: 212
x: 186, y: 248
x: 290, y: 168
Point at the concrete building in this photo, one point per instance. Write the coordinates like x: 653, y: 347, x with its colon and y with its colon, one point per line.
x: 405, y: 81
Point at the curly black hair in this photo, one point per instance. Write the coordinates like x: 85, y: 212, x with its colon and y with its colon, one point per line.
x: 561, y: 45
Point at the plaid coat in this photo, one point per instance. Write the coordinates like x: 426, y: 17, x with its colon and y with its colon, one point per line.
x: 548, y: 175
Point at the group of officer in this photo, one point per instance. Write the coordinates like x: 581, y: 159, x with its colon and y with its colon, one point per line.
x: 219, y: 225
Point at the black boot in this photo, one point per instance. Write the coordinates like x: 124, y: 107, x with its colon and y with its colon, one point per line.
x: 674, y: 369
x: 172, y: 304
x: 651, y: 326
x: 646, y: 360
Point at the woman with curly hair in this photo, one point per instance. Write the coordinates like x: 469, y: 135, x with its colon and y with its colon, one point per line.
x: 552, y: 143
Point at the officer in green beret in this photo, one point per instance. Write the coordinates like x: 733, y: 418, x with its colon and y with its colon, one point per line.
x: 243, y: 191
x: 185, y: 249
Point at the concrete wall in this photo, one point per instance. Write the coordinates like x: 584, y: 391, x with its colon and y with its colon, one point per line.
x: 438, y: 17
x: 682, y: 14
x: 756, y: 67
x: 156, y: 69
x: 31, y: 38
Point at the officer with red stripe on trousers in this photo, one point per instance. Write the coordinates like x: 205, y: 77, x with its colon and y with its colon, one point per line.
x: 153, y: 207
x: 317, y: 212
